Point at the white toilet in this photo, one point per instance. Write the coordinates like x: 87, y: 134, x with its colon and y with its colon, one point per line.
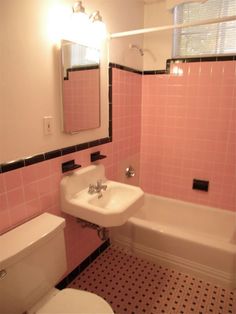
x: 32, y: 261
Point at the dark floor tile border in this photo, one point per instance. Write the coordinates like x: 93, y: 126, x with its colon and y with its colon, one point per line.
x: 78, y: 270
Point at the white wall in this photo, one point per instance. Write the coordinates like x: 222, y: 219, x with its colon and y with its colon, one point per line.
x: 30, y: 80
x: 158, y: 45
x: 123, y: 15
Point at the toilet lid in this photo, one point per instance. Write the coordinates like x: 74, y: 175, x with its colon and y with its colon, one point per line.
x: 69, y: 301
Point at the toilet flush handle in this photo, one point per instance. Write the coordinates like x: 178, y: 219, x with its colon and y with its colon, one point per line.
x: 3, y: 273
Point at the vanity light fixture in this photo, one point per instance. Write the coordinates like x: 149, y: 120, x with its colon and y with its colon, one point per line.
x: 79, y: 15
x: 78, y: 7
x: 96, y: 16
x: 89, y: 28
x: 98, y: 27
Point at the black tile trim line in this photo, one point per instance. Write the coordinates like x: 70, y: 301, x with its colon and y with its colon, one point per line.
x: 123, y: 67
x: 81, y: 267
x: 81, y: 68
x: 188, y: 60
x: 168, y: 63
x: 13, y: 165
x: 201, y: 59
x: 67, y: 150
x: 155, y: 72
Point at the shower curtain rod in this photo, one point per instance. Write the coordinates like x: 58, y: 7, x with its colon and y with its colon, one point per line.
x: 167, y: 27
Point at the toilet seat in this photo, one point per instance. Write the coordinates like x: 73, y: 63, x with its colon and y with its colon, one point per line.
x: 69, y: 301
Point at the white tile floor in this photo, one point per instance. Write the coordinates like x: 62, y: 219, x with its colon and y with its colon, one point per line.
x: 133, y: 285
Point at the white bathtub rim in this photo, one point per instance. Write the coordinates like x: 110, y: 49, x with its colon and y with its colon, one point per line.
x: 185, y: 203
x: 210, y: 215
x: 218, y: 243
x: 190, y: 267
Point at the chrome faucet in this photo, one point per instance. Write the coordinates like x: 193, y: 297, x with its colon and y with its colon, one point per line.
x: 97, y: 188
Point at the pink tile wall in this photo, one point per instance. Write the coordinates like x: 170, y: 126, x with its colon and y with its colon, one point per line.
x: 32, y: 190
x: 126, y: 117
x: 189, y: 131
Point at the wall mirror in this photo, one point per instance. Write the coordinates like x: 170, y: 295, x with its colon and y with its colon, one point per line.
x: 80, y: 87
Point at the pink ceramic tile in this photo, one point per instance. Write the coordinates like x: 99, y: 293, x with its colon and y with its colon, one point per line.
x: 33, y: 207
x: 43, y: 169
x: 4, y: 220
x: 46, y: 201
x: 31, y: 191
x: 206, y: 68
x: 13, y: 179
x: 44, y: 186
x: 194, y: 69
x: 229, y: 69
x: 29, y: 174
x: 192, y: 130
x: 18, y: 214
x: 2, y: 184
x: 15, y: 197
x: 3, y: 202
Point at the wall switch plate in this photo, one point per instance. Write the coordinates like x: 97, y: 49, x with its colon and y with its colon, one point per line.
x: 47, y: 125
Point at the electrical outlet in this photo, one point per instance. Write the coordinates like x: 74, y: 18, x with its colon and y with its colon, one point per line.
x: 47, y: 123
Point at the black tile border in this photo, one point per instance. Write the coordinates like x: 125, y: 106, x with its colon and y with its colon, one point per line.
x: 13, y: 165
x: 169, y: 62
x: 5, y: 167
x: 155, y: 72
x: 82, y: 68
x: 188, y: 60
x: 78, y: 270
x: 34, y: 159
x: 125, y: 68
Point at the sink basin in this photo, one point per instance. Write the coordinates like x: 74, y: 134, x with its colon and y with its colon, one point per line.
x: 116, y: 205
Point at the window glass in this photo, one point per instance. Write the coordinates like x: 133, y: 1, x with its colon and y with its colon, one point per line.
x: 211, y: 39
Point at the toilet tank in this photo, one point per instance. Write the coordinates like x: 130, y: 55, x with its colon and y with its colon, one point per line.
x: 32, y: 261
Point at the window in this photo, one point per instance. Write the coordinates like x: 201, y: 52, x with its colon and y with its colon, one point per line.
x: 214, y: 39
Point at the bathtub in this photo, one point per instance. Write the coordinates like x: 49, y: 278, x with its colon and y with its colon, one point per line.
x: 195, y: 239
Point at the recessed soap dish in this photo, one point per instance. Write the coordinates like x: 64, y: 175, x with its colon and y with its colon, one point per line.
x: 69, y: 165
x: 96, y: 156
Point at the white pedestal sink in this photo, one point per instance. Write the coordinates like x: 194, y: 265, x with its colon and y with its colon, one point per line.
x: 112, y: 207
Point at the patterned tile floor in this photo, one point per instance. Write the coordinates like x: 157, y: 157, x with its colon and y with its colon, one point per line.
x: 133, y: 285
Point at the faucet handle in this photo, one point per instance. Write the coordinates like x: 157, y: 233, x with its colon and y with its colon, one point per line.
x: 91, y: 189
